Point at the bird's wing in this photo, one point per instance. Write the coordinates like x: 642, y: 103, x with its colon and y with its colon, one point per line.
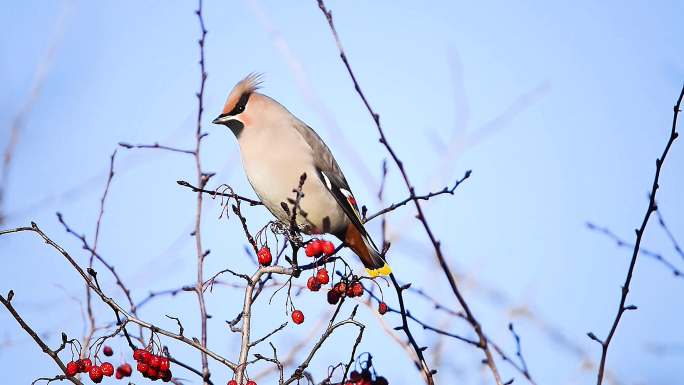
x: 331, y: 175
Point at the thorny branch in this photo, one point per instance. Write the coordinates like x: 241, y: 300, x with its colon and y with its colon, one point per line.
x: 421, y: 216
x: 635, y: 253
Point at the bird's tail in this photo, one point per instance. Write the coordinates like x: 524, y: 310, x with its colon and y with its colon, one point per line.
x: 364, y: 247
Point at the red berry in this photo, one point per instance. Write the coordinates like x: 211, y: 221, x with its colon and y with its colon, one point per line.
x: 232, y: 382
x: 357, y: 288
x: 382, y: 308
x: 333, y: 296
x: 328, y: 248
x: 118, y: 375
x: 250, y: 382
x: 313, y: 284
x: 142, y: 367
x: 350, y: 291
x: 313, y: 248
x: 95, y: 374
x: 297, y: 317
x: 126, y: 369
x: 71, y: 368
x: 341, y: 288
x: 166, y: 375
x: 264, y: 256
x: 107, y: 369
x: 151, y: 372
x: 146, y: 356
x: 164, y: 364
x: 322, y: 276
x: 381, y: 381
x: 87, y: 365
x: 354, y: 376
x: 107, y: 350
x: 155, y: 361
x: 138, y: 354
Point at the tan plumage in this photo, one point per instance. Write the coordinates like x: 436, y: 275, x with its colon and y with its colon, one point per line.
x: 276, y: 149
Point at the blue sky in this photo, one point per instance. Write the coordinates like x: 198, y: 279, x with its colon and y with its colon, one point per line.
x: 563, y: 106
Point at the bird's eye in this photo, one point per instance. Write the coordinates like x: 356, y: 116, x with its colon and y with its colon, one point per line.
x: 241, y: 105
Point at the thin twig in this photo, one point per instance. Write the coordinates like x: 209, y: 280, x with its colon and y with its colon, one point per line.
x: 445, y: 190
x: 625, y: 244
x: 202, y: 180
x: 675, y: 244
x: 86, y: 246
x: 635, y: 253
x: 156, y: 146
x: 89, y: 304
x: 252, y: 202
x: 276, y: 330
x: 518, y: 351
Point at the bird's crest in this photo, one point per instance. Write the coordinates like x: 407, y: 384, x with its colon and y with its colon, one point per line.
x: 249, y: 84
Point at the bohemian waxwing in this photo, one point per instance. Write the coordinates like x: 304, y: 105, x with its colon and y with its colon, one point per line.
x: 276, y: 149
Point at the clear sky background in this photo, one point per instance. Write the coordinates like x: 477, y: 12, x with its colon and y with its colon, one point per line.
x: 559, y: 108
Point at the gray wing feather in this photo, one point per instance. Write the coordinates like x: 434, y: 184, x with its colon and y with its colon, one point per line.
x: 323, y: 158
x: 326, y: 163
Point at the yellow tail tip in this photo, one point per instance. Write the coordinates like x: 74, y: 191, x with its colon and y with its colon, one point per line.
x: 379, y: 272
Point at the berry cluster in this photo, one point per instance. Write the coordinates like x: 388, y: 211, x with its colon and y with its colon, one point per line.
x: 152, y: 366
x: 321, y: 278
x: 341, y: 289
x: 365, y: 378
x: 346, y: 288
x: 318, y: 247
x: 85, y: 365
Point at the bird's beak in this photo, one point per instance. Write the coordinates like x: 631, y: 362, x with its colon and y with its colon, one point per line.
x: 222, y: 119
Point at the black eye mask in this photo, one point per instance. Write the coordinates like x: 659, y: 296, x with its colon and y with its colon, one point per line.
x: 240, y: 106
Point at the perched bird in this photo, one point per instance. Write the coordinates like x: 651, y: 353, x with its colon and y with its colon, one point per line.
x: 276, y: 149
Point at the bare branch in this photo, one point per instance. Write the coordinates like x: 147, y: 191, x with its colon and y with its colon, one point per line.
x: 156, y: 146
x: 394, y: 206
x: 202, y: 180
x: 675, y: 244
x: 639, y: 234
x: 625, y: 244
x: 252, y: 202
x: 279, y: 328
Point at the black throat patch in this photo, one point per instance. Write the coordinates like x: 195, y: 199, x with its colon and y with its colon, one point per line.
x: 236, y: 127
